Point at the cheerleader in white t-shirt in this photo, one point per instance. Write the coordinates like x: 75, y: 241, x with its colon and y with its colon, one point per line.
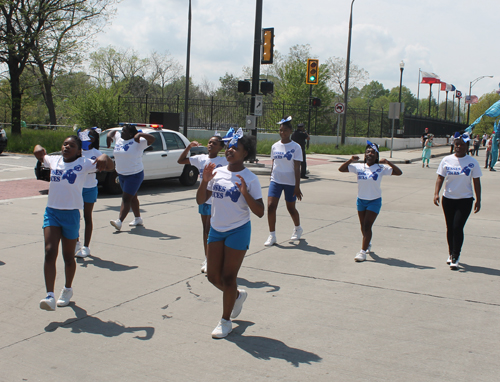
x: 90, y: 150
x: 235, y: 192
x: 285, y: 177
x: 215, y: 144
x: 369, y: 202
x: 61, y: 222
x: 458, y: 172
x: 129, y: 147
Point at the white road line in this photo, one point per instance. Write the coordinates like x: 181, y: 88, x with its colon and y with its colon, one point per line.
x: 25, y: 198
x: 8, y: 180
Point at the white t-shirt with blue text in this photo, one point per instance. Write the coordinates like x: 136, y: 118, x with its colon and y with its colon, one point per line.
x: 229, y: 208
x: 200, y: 161
x: 458, y: 174
x: 92, y: 154
x: 128, y: 155
x: 369, y: 179
x: 284, y: 156
x: 66, y: 181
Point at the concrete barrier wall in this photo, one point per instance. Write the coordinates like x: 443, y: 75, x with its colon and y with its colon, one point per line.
x: 399, y: 143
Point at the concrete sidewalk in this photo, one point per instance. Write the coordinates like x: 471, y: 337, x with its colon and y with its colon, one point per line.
x: 143, y: 311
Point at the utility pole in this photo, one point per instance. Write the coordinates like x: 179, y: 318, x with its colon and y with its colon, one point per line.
x: 256, y: 60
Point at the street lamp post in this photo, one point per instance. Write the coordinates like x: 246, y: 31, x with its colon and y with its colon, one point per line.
x: 471, y: 84
x: 346, y: 84
x: 401, y: 68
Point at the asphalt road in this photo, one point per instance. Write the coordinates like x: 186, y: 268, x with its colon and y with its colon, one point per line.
x: 142, y: 311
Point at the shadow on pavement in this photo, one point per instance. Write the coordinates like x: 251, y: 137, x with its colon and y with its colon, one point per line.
x: 267, y: 348
x: 104, y: 264
x: 304, y: 246
x: 258, y: 284
x: 143, y: 231
x: 397, y: 262
x: 475, y: 269
x: 1, y: 263
x: 84, y: 323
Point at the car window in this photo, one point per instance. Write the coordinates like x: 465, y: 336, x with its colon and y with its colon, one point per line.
x: 172, y: 142
x: 180, y: 142
x: 102, y: 140
x: 157, y: 144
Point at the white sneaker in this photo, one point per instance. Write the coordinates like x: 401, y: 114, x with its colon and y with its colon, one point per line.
x: 204, y: 266
x: 238, y: 305
x: 369, y: 248
x: 270, y: 241
x: 454, y: 265
x: 116, y: 223
x: 361, y: 256
x: 449, y: 260
x: 84, y: 252
x: 297, y: 233
x: 137, y: 221
x: 78, y: 247
x: 48, y: 303
x: 65, y: 296
x: 223, y: 328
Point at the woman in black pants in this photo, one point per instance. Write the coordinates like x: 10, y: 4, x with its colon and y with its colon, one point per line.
x: 458, y: 171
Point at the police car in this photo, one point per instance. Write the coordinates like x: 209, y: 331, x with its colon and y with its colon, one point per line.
x: 159, y: 159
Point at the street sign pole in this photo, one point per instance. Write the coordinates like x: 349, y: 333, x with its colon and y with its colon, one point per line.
x: 394, y: 110
x: 338, y: 125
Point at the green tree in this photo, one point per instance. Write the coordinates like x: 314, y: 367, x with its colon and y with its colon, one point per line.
x: 98, y: 107
x: 407, y: 97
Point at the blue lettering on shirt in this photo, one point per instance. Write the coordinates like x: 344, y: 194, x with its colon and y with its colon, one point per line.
x: 280, y: 154
x: 233, y: 193
x: 451, y: 170
x: 364, y: 175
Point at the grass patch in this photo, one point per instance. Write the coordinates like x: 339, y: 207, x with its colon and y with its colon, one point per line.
x: 51, y: 140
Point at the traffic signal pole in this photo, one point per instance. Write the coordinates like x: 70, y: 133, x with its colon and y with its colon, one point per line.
x: 309, y: 118
x: 256, y: 59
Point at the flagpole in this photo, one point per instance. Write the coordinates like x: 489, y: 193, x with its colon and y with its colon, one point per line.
x: 439, y: 92
x: 453, y: 108
x: 418, y: 90
x: 446, y: 106
x: 430, y: 95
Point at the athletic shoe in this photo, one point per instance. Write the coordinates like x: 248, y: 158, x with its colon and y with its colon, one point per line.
x: 78, y: 247
x: 85, y: 251
x: 137, y: 221
x: 238, y: 305
x: 361, y: 256
x: 65, y: 296
x: 223, y: 328
x: 297, y: 233
x: 449, y: 260
x: 270, y: 241
x: 369, y: 248
x: 204, y: 266
x: 48, y: 303
x: 116, y: 223
x: 454, y: 265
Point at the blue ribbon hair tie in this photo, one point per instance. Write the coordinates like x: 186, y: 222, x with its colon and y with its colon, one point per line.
x: 232, y: 137
x: 84, y: 137
x: 217, y: 134
x: 97, y: 130
x: 288, y: 119
x: 465, y: 137
x: 372, y: 145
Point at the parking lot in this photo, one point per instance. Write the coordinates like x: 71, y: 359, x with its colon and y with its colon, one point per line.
x: 142, y: 310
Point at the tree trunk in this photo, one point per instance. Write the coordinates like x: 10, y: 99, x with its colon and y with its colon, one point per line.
x: 16, y: 95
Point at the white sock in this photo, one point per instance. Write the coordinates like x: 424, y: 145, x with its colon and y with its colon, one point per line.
x: 51, y: 294
x: 272, y: 233
x: 298, y: 227
x: 363, y: 251
x: 68, y: 288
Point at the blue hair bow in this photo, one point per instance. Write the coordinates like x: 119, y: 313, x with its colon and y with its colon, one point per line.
x: 84, y: 137
x: 372, y: 145
x: 465, y: 137
x: 233, y: 137
x: 288, y: 119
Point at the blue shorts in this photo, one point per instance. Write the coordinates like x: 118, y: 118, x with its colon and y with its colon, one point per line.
x: 68, y: 220
x: 275, y: 190
x: 371, y: 205
x: 131, y: 183
x: 90, y: 195
x: 237, y: 238
x: 205, y: 209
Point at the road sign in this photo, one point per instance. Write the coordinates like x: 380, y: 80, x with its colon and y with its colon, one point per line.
x: 258, y: 105
x: 339, y: 108
x: 394, y: 109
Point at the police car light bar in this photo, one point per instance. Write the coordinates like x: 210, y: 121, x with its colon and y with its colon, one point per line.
x: 150, y: 125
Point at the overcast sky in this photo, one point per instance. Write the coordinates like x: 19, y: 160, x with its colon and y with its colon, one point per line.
x: 455, y: 39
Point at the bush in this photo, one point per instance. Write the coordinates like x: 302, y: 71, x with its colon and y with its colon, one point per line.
x: 51, y: 140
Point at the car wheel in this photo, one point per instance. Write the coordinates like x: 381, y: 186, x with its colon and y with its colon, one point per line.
x: 112, y: 184
x: 189, y: 175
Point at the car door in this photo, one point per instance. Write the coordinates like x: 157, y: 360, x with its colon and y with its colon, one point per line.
x: 155, y: 158
x: 175, y: 147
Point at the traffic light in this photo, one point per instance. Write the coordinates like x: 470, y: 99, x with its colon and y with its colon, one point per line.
x: 244, y: 86
x: 312, y: 71
x: 267, y: 46
x: 316, y: 102
x: 266, y: 87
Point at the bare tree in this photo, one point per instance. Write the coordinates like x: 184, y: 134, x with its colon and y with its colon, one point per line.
x: 164, y: 69
x: 357, y: 76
